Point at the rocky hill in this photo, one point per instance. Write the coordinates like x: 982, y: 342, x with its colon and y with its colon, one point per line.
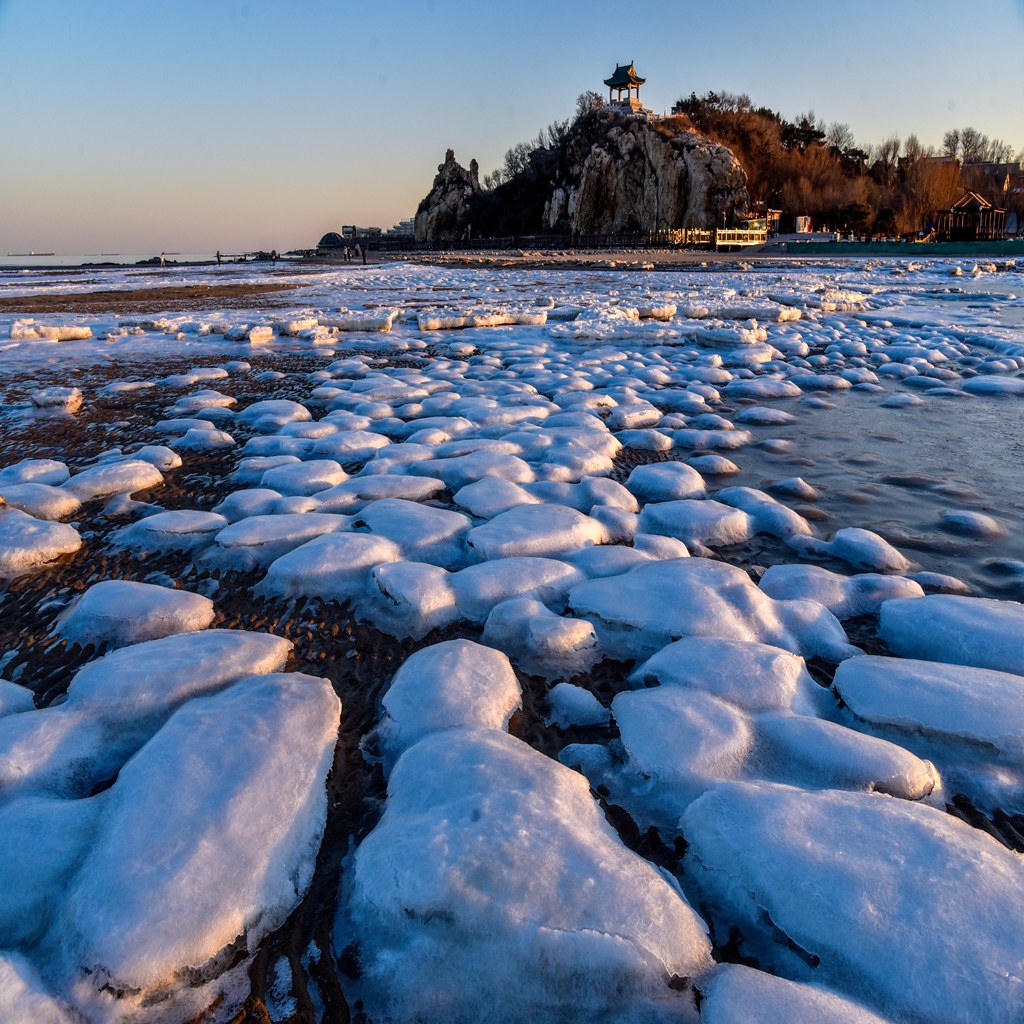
x: 611, y: 172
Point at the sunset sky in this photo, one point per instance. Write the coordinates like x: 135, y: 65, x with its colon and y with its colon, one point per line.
x: 190, y: 126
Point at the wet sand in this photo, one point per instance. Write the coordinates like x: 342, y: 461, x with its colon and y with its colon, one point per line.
x: 175, y: 299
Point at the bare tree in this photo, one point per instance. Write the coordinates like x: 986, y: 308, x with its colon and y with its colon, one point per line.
x: 972, y: 145
x: 951, y: 143
x: 840, y: 137
x: 913, y: 150
x: 586, y: 102
x: 999, y: 152
x: 887, y: 157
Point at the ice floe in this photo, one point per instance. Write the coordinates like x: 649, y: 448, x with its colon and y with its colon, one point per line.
x: 529, y: 879
x: 27, y: 543
x: 857, y: 892
x: 961, y: 630
x: 120, y: 612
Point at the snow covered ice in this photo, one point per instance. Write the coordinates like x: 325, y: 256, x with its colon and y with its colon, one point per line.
x: 742, y: 546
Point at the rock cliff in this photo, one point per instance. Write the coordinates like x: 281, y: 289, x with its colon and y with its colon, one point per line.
x: 443, y: 215
x: 611, y: 173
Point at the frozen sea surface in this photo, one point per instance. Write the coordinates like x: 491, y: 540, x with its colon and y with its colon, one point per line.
x: 654, y: 601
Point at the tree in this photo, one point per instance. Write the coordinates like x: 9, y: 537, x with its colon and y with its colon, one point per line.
x: 586, y: 102
x: 886, y: 160
x: 972, y: 145
x: 951, y: 143
x: 840, y: 137
x: 913, y: 150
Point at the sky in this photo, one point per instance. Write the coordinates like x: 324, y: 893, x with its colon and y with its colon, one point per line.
x: 193, y: 125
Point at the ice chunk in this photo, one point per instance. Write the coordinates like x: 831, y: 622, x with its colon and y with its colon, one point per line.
x: 573, y: 705
x: 250, y: 501
x: 180, y: 530
x: 491, y: 496
x: 27, y: 543
x: 861, y: 548
x: 844, y: 596
x: 42, y: 842
x: 478, y: 588
x: 682, y: 740
x: 971, y: 524
x: 117, y: 702
x: 453, y: 683
x: 304, y: 478
x: 697, y: 522
x: 508, y: 849
x: 355, y: 493
x: 23, y: 997
x: 14, y: 698
x: 121, y: 612
x: 546, y: 531
x: 258, y: 540
x: 767, y: 514
x: 158, y: 455
x: 41, y: 501
x: 333, y: 567
x: 541, y: 642
x: 460, y: 470
x: 817, y: 753
x: 199, y: 439
x: 755, y: 677
x: 737, y: 993
x: 239, y: 782
x: 713, y: 465
x: 639, y: 613
x: 206, y: 399
x: 961, y: 630
x: 424, y: 533
x: 795, y: 487
x: 350, y: 445
x: 976, y: 705
x: 409, y: 599
x: 125, y: 477
x: 56, y: 397
x: 280, y: 410
x: 665, y: 481
x: 848, y: 882
x: 35, y: 471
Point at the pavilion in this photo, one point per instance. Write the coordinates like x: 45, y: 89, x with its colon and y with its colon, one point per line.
x: 971, y: 218
x: 625, y: 79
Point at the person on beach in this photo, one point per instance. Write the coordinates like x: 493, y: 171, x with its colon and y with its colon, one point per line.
x: 161, y: 261
x: 218, y: 257
x: 273, y: 255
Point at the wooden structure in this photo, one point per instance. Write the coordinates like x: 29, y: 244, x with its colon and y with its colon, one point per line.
x: 971, y: 219
x: 625, y: 79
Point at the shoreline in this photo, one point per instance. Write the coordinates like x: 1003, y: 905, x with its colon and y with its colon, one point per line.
x: 622, y: 257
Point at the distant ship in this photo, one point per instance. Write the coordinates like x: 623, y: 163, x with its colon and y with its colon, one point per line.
x: 31, y: 254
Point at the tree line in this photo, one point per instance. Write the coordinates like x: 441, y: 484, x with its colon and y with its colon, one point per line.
x: 895, y: 187
x: 807, y: 167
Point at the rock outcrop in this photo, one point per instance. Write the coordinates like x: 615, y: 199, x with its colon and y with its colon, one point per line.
x: 443, y: 215
x: 613, y: 172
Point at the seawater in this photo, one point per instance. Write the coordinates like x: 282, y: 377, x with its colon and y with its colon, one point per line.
x: 895, y: 470
x: 84, y: 259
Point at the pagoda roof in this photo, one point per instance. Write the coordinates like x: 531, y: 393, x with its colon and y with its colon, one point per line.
x: 972, y: 201
x: 625, y: 74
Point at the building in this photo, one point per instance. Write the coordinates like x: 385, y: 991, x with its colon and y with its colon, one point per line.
x: 971, y: 219
x: 625, y: 79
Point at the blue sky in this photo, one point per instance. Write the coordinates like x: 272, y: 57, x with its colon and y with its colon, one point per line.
x: 191, y: 125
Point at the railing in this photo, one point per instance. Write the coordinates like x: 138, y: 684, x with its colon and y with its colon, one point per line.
x: 727, y: 237
x: 673, y: 238
x: 670, y: 238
